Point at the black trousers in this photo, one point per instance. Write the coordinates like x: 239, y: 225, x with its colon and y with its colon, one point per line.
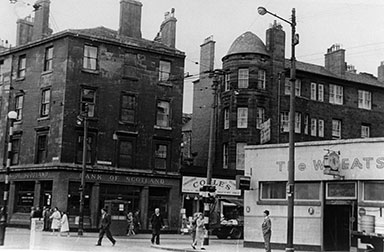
x: 107, y: 232
x: 155, y: 236
x: 267, y: 241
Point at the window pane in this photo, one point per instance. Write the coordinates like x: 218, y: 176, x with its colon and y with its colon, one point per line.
x: 161, y: 156
x: 242, y: 117
x: 164, y: 70
x: 373, y: 191
x: 273, y: 190
x: 125, y: 153
x: 307, y: 191
x: 341, y: 190
x: 240, y: 154
x: 162, y: 118
x: 243, y: 78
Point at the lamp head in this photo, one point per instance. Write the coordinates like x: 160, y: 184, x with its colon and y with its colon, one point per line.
x: 262, y: 10
x: 12, y: 115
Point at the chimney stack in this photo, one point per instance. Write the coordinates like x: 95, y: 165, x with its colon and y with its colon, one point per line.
x: 130, y: 18
x: 380, y: 72
x: 275, y: 42
x: 207, y: 55
x: 41, y: 23
x: 167, y: 33
x: 335, y: 60
x: 24, y: 31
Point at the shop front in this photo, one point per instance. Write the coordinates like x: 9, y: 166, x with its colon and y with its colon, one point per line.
x: 228, y: 204
x: 60, y: 188
x: 338, y: 191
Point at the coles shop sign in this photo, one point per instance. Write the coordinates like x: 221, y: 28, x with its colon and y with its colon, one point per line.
x: 223, y: 186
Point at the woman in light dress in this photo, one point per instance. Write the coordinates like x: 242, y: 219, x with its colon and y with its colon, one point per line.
x: 64, y: 228
x: 56, y: 220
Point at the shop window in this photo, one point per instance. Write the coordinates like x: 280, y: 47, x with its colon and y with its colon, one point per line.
x: 42, y: 148
x: 128, y: 108
x: 307, y: 191
x: 129, y: 194
x: 243, y: 77
x: 46, y: 193
x: 87, y: 102
x: 90, y: 57
x: 48, y: 59
x: 163, y: 114
x: 126, y: 153
x: 273, y: 190
x: 164, y: 70
x: 240, y: 155
x: 345, y: 190
x: 74, y: 198
x: 24, y: 195
x: 373, y: 191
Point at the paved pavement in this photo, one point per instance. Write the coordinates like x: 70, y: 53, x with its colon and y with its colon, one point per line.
x: 17, y: 239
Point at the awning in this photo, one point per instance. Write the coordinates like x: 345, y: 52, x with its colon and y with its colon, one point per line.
x: 238, y: 202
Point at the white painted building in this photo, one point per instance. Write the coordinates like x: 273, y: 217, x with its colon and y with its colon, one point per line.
x: 327, y: 208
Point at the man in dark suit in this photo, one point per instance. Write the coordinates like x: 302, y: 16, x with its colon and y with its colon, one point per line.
x: 105, y: 222
x: 267, y: 231
x: 157, y: 224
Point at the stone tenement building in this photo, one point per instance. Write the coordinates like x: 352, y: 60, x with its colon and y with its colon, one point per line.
x: 332, y: 101
x: 130, y: 91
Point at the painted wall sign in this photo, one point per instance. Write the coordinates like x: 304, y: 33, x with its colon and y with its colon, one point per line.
x: 223, y: 186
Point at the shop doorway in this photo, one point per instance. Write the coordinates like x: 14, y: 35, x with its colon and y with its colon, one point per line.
x: 338, y: 222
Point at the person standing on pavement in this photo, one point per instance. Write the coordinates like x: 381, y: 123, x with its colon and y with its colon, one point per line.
x: 157, y: 224
x: 200, y: 231
x: 131, y: 225
x: 56, y: 220
x: 46, y: 214
x: 193, y: 229
x: 64, y: 227
x: 266, y: 226
x: 105, y: 223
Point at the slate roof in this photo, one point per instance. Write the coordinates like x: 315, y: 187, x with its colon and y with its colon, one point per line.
x: 364, y: 78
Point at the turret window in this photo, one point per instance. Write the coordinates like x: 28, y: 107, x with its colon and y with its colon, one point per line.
x: 243, y: 78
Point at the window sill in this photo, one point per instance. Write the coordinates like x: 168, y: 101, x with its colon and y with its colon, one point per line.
x: 84, y: 70
x: 166, y: 84
x: 47, y: 72
x: 45, y: 118
x: 127, y: 123
x: 162, y: 127
x: 20, y: 79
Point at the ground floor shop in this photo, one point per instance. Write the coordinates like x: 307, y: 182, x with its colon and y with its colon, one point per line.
x: 339, y: 189
x: 227, y: 207
x: 60, y: 188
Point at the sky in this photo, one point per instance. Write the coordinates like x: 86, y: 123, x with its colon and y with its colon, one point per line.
x: 358, y: 25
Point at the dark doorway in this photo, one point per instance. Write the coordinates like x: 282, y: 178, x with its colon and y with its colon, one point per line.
x: 336, y: 227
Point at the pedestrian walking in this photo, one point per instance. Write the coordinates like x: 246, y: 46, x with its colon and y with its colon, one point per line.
x: 136, y: 221
x: 56, y: 220
x: 200, y: 231
x: 130, y: 227
x: 267, y: 231
x: 193, y: 229
x: 157, y: 224
x: 64, y: 227
x: 105, y: 223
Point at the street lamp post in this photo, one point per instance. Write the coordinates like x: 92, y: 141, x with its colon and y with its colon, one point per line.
x: 291, y: 162
x: 12, y: 115
x: 83, y: 170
